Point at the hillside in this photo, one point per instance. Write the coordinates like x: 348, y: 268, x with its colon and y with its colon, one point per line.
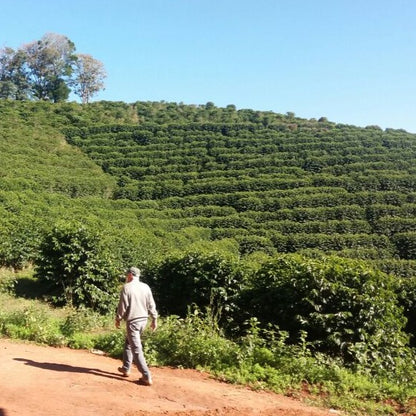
x: 271, y: 182
x: 260, y: 180
x: 266, y: 239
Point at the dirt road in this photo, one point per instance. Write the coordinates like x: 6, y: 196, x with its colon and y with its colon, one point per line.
x: 44, y: 381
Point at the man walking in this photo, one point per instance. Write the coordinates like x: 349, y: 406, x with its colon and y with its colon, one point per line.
x: 135, y: 305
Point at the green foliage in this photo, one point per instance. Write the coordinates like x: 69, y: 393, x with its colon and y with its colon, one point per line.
x: 313, y: 183
x: 112, y: 343
x: 35, y: 321
x: 208, y: 280
x: 346, y: 308
x: 7, y: 284
x: 82, y: 270
x: 406, y: 245
x: 268, y: 181
x: 19, y: 242
x: 407, y: 298
x: 263, y: 359
x: 80, y: 320
x: 32, y: 323
x: 214, y: 193
x: 193, y: 341
x: 43, y: 70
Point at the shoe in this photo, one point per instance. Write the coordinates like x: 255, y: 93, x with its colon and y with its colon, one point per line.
x: 123, y: 371
x: 145, y: 381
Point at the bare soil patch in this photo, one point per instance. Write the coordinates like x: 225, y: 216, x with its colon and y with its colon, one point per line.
x: 46, y: 381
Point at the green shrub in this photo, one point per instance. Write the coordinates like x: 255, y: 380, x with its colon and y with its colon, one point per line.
x: 112, y: 343
x: 82, y: 270
x: 81, y: 341
x: 33, y: 323
x: 407, y: 298
x: 191, y: 342
x: 208, y: 280
x: 81, y: 320
x: 7, y: 284
x: 346, y: 308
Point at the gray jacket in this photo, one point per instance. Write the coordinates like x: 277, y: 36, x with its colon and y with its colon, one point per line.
x: 136, y: 302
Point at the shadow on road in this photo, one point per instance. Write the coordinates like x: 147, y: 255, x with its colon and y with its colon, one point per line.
x: 67, y: 369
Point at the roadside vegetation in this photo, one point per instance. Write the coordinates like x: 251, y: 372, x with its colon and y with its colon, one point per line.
x: 281, y: 251
x: 373, y: 375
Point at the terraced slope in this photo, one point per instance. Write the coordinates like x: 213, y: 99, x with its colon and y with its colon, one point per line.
x: 283, y: 185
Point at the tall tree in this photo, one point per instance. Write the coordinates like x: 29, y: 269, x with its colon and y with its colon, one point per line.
x: 14, y: 82
x: 49, y: 63
x: 47, y: 69
x: 88, y: 77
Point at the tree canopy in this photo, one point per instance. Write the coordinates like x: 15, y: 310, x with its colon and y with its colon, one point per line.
x: 49, y: 69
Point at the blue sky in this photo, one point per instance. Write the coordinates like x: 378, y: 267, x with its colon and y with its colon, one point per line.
x: 352, y: 61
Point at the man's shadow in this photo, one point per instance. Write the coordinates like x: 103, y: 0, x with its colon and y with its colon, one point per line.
x: 70, y: 369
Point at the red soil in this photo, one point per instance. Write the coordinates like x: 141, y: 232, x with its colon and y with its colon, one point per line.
x: 45, y: 381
